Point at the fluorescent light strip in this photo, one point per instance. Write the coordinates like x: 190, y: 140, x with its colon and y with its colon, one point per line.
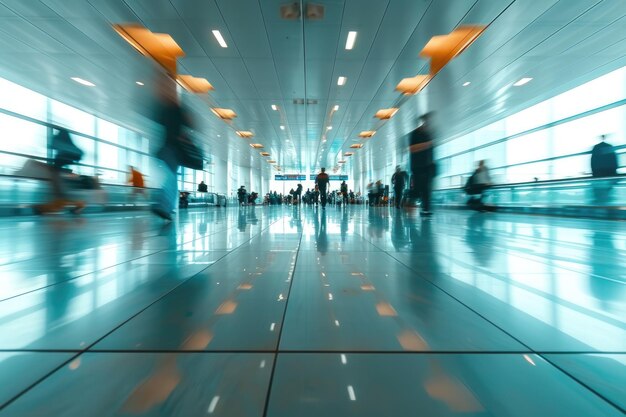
x: 220, y: 38
x: 351, y: 393
x: 336, y: 107
x: 523, y: 81
x: 466, y: 83
x: 351, y: 39
x: 274, y: 107
x: 341, y: 80
x: 83, y: 82
x: 282, y: 127
x: 139, y: 83
x: 213, y: 404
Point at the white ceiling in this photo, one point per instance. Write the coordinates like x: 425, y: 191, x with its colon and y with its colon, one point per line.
x: 272, y: 61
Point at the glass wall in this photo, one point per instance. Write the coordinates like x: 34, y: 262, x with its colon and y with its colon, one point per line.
x: 549, y: 141
x: 28, y: 119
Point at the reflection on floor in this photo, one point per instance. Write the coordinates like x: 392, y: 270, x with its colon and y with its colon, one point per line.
x: 288, y: 311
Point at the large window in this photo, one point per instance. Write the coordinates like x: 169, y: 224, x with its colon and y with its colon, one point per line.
x: 550, y: 140
x: 27, y: 118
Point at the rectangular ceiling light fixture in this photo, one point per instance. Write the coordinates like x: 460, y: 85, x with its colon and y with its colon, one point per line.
x: 384, y: 114
x: 341, y: 162
x: 367, y: 133
x: 336, y: 107
x: 282, y: 127
x: 194, y: 85
x: 83, y: 82
x: 444, y: 48
x: 257, y: 145
x: 341, y: 80
x: 274, y: 107
x: 161, y: 47
x: 244, y: 133
x: 225, y: 114
x: 522, y: 81
x: 265, y: 154
x: 356, y: 145
x: 348, y: 153
x: 351, y: 39
x: 271, y: 161
x: 413, y: 85
x: 220, y: 38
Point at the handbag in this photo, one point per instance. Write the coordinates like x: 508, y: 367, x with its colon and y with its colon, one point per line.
x: 189, y: 155
x: 35, y: 169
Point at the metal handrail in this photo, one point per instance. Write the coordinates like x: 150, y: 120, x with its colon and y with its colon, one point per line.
x: 545, y: 182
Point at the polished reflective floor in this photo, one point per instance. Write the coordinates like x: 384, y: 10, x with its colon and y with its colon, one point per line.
x: 289, y: 311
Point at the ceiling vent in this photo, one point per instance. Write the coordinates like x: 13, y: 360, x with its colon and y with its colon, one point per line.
x: 314, y: 11
x: 290, y: 11
x: 308, y: 101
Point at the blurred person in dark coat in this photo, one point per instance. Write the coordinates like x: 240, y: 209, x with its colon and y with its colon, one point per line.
x: 173, y: 118
x: 603, y: 159
x: 423, y: 168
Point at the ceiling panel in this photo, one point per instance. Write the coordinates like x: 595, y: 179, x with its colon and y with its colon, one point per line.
x: 246, y: 27
x: 559, y: 43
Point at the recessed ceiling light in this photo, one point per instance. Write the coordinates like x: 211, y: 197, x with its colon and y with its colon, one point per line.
x: 341, y: 80
x: 83, y: 82
x: 367, y: 133
x: 282, y: 127
x: 523, y: 81
x: 336, y: 107
x: 139, y: 83
x: 226, y: 114
x: 350, y: 40
x: 244, y: 133
x: 329, y: 128
x: 466, y: 83
x: 324, y: 141
x: 384, y: 114
x: 274, y: 107
x: 220, y: 38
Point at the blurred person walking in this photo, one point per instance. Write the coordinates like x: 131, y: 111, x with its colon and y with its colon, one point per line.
x: 423, y: 168
x: 173, y: 118
x: 343, y: 189
x: 603, y: 159
x: 399, y: 180
x: 65, y: 153
x: 603, y: 165
x: 136, y: 181
x: 476, y: 185
x: 241, y: 195
x: 298, y: 194
x: 322, y: 181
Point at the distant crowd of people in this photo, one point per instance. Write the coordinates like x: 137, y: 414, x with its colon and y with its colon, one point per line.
x: 178, y: 149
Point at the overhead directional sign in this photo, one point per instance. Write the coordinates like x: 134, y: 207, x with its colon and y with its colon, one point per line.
x: 290, y: 177
x: 332, y: 177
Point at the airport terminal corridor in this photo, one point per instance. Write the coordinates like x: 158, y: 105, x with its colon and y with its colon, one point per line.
x: 299, y: 311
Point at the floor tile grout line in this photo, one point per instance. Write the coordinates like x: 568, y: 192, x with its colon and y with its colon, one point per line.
x: 320, y: 351
x: 86, y: 349
x: 112, y: 266
x: 423, y: 278
x: 495, y: 325
x: 589, y: 388
x: 282, y: 327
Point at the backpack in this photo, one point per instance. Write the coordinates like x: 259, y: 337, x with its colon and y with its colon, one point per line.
x: 470, y: 185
